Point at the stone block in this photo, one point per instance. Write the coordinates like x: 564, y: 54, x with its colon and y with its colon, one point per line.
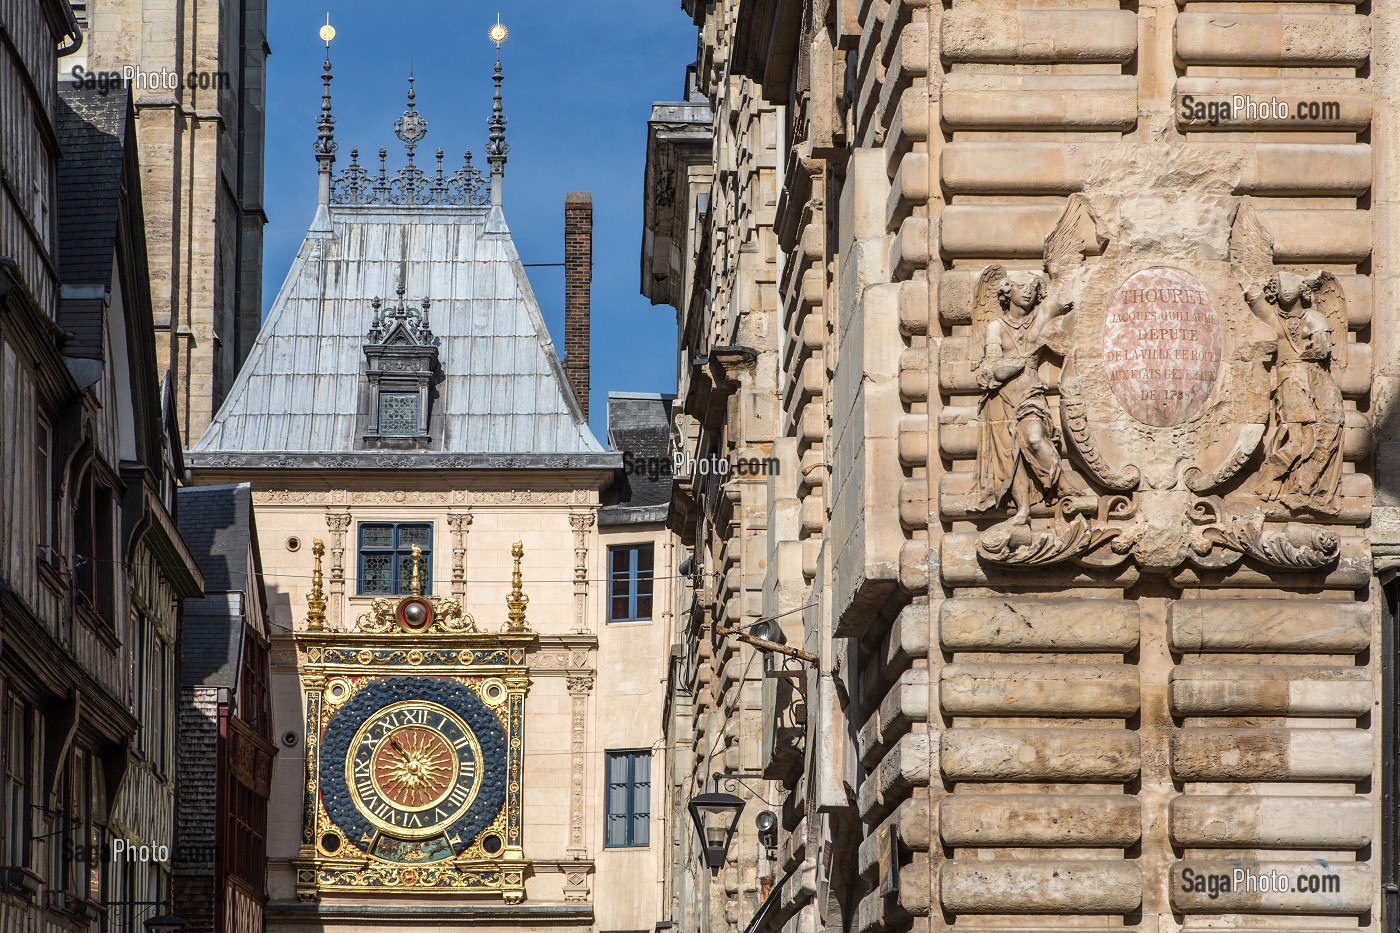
x: 1046, y: 754
x: 1270, y: 822
x: 1022, y: 36
x: 1206, y: 886
x: 1087, y: 820
x: 1351, y: 95
x: 1306, y: 168
x: 996, y: 231
x: 1272, y: 38
x: 1275, y: 754
x: 1255, y: 690
x: 1018, y: 102
x: 1039, y: 690
x: 907, y: 765
x: 1049, y: 887
x: 1039, y: 625
x: 1303, y: 626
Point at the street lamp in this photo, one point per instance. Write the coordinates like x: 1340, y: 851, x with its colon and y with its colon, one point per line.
x: 164, y: 923
x: 715, y: 817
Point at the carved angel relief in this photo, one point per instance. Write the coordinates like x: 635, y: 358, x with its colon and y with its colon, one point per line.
x: 1016, y: 317
x: 1303, y: 446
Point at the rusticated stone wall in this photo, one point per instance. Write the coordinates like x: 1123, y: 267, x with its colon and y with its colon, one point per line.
x: 1084, y: 389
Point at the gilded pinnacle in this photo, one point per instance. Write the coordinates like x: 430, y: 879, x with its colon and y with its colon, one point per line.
x: 517, y: 599
x: 316, y: 599
x: 415, y: 580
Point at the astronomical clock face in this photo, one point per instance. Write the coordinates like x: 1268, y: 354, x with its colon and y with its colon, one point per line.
x: 413, y: 770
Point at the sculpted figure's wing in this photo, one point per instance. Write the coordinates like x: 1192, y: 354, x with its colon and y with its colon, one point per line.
x: 1329, y: 299
x: 1250, y: 244
x: 984, y: 309
x: 1076, y: 234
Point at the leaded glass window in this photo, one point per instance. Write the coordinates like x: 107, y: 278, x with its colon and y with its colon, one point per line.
x: 386, y: 557
x: 398, y: 413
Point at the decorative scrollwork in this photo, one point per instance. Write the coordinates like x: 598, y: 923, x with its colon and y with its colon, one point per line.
x: 379, y: 620
x: 1075, y: 418
x: 1297, y: 547
x: 451, y: 618
x: 1010, y: 543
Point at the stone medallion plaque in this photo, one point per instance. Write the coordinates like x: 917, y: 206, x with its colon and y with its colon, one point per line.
x: 1161, y: 345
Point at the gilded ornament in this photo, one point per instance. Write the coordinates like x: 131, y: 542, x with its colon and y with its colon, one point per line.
x: 316, y: 599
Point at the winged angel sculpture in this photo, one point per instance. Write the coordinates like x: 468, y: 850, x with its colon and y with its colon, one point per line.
x: 1016, y: 317
x: 1303, y: 445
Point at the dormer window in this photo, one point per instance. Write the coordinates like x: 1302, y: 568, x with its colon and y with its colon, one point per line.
x: 400, y: 362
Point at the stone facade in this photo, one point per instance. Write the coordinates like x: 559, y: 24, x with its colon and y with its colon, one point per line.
x: 202, y: 177
x: 1079, y: 382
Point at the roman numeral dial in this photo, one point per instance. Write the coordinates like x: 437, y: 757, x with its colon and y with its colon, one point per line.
x: 413, y: 768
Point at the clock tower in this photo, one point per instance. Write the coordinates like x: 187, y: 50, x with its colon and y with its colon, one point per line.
x: 414, y: 737
x: 406, y: 405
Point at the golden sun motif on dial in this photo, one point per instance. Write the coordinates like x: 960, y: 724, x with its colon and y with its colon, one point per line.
x: 413, y: 769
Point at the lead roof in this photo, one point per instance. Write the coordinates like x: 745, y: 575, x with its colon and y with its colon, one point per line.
x: 502, y: 399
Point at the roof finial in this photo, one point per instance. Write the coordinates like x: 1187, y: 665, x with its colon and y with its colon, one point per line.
x: 325, y: 145
x: 411, y: 127
x: 497, y: 147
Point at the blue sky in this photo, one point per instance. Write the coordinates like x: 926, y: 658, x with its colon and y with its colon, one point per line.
x: 580, y: 78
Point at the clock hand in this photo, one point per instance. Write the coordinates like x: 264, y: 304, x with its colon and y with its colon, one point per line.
x: 398, y: 748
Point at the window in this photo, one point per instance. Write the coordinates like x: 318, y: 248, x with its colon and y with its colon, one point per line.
x: 398, y: 414
x: 629, y: 799
x: 629, y: 582
x: 386, y: 557
x: 253, y: 705
x: 43, y: 486
x: 79, y: 826
x: 20, y: 759
x: 94, y: 557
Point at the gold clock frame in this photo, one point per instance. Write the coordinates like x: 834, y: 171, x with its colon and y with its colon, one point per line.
x: 494, y: 666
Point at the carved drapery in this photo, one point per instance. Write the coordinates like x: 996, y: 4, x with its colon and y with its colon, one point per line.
x: 459, y: 523
x: 581, y: 523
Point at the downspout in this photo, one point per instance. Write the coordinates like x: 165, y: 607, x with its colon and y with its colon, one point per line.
x: 74, y: 32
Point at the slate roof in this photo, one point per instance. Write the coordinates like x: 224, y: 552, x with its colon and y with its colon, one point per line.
x: 92, y: 141
x: 217, y: 525
x: 502, y: 395
x: 639, y: 426
x: 91, y: 138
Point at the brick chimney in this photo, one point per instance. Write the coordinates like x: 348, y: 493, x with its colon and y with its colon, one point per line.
x: 578, y: 284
